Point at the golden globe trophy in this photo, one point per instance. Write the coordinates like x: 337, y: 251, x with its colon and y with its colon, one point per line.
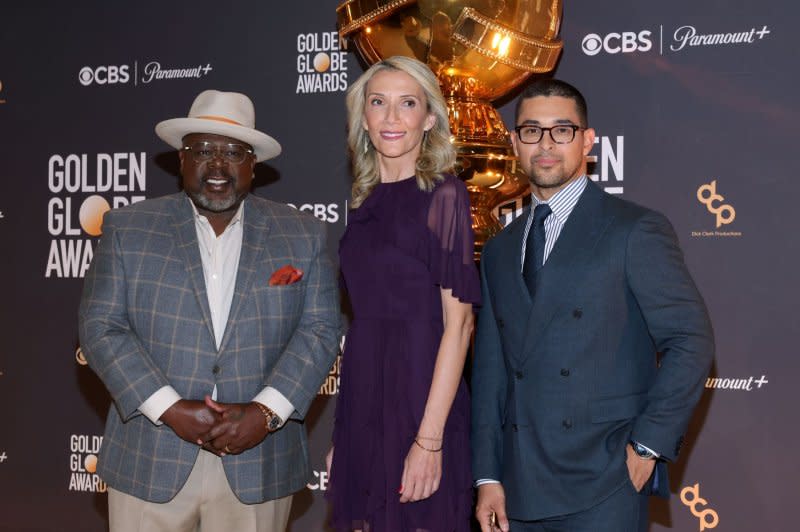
x: 480, y: 50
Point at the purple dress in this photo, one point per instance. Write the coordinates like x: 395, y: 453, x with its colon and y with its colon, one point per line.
x: 401, y: 245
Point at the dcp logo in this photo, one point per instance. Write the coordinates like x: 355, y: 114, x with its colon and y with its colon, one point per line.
x: 707, y: 195
x: 104, y: 75
x: 614, y: 43
x: 690, y: 496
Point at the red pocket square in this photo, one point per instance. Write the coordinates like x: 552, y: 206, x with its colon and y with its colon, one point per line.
x: 285, y: 275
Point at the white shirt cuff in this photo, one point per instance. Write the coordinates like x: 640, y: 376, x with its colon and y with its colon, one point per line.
x: 158, y: 403
x: 482, y: 481
x: 275, y: 401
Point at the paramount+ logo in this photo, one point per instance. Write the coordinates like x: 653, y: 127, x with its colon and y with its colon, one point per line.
x: 617, y: 42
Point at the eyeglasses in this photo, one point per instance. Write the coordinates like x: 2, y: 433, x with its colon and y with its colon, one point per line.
x: 561, y: 134
x: 205, y: 151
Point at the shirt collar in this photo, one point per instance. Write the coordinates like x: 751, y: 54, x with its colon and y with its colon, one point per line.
x: 563, y: 201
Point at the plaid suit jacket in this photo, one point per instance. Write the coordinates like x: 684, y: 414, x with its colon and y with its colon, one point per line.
x: 145, y: 323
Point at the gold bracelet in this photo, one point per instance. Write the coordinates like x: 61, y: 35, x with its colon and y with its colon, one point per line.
x: 428, y: 438
x: 426, y: 449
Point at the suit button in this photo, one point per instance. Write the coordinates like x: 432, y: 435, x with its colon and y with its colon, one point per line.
x: 216, y: 370
x: 577, y: 313
x: 567, y: 423
x: 564, y: 372
x: 518, y: 374
x: 514, y: 427
x: 500, y: 324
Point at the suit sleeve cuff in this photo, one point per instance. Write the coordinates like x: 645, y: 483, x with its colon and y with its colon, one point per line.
x: 158, y: 403
x: 275, y: 401
x: 482, y: 481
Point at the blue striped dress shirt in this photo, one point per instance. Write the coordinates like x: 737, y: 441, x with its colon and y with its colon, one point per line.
x: 561, y: 205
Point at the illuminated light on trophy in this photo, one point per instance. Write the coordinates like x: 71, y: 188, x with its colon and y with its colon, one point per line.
x: 480, y: 50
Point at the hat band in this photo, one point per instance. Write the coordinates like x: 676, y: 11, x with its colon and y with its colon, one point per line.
x: 219, y: 119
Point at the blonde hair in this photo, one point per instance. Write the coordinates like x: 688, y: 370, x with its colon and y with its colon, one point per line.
x: 437, y: 154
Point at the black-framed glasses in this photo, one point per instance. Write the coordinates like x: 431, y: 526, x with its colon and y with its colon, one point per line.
x: 205, y: 151
x: 561, y: 134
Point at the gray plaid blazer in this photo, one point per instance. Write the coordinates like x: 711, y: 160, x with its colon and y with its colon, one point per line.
x: 145, y: 323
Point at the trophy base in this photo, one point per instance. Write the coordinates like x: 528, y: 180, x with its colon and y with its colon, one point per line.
x: 486, y: 163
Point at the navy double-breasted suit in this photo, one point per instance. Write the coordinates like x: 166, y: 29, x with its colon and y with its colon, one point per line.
x: 563, y: 380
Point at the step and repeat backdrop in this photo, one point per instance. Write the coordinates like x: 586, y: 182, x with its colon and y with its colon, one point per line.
x: 696, y: 109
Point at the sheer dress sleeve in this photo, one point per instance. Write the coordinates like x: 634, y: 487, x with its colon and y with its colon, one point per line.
x: 452, y: 242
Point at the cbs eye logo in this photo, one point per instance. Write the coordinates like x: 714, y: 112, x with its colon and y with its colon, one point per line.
x: 613, y: 43
x: 104, y: 75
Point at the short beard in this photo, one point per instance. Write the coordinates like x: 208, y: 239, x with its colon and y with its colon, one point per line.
x: 220, y: 205
x: 554, y: 182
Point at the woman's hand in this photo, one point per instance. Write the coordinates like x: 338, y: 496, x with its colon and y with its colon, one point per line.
x: 422, y: 472
x: 329, y: 461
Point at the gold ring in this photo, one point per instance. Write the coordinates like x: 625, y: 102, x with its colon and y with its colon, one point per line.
x: 226, y: 449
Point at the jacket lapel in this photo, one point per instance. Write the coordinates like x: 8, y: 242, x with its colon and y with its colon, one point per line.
x: 255, y: 228
x: 509, y: 293
x: 183, y: 224
x: 557, y: 279
x: 516, y: 241
x: 510, y: 259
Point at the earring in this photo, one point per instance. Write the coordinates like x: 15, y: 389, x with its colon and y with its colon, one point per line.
x: 366, y: 144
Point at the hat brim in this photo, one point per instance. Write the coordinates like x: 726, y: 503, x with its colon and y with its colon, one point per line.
x: 172, y: 132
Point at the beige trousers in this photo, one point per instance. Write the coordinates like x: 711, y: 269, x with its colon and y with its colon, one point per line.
x: 205, y: 504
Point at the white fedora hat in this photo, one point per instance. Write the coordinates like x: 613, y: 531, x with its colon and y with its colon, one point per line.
x: 223, y: 113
